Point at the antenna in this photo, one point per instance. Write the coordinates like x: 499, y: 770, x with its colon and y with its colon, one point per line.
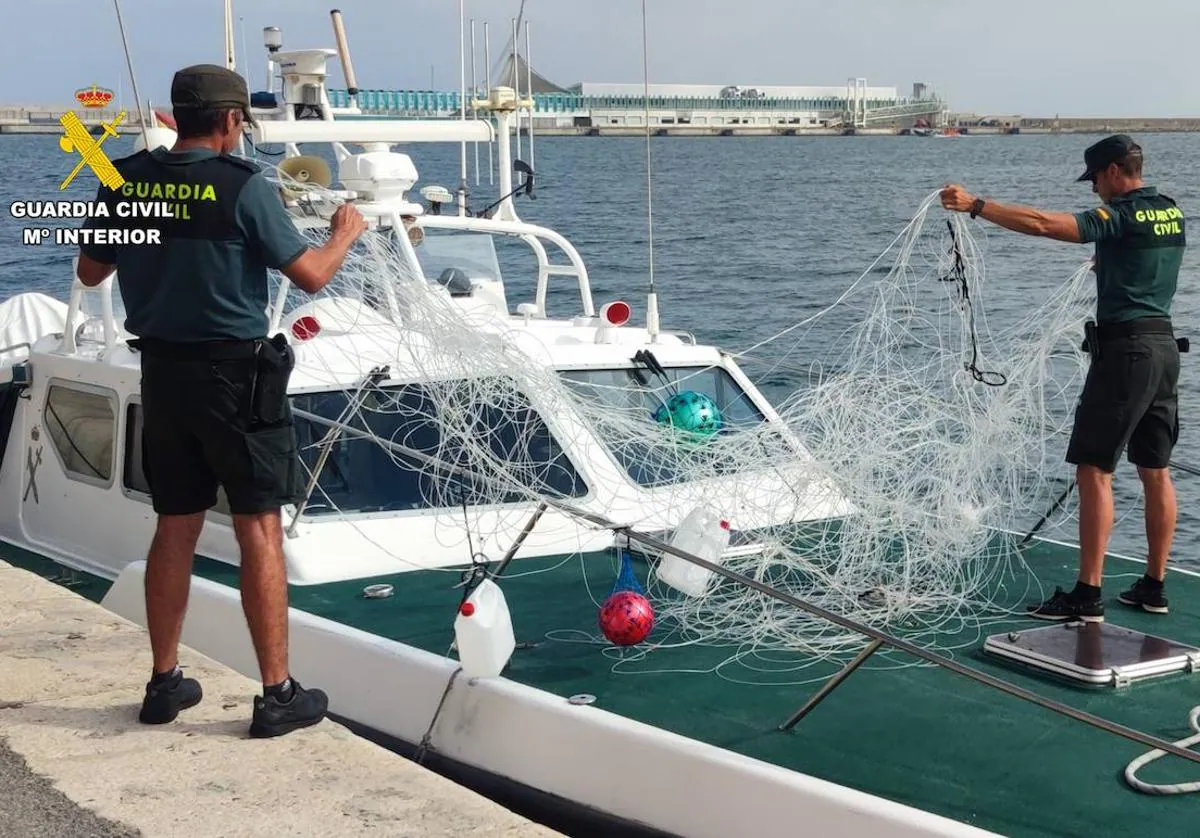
x: 231, y: 63
x: 652, y: 299
x: 487, y: 66
x: 516, y: 79
x: 529, y: 91
x: 245, y: 51
x: 137, y: 97
x: 474, y: 96
x: 462, y: 105
x: 339, y: 34
x: 230, y: 58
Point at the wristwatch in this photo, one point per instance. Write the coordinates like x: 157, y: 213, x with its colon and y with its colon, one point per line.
x: 977, y: 207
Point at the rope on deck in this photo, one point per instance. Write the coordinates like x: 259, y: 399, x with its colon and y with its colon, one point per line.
x: 1150, y: 756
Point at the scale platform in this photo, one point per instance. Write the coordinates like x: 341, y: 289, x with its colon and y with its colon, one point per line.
x: 1098, y: 654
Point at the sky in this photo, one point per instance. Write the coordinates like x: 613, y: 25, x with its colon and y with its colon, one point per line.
x: 1030, y: 57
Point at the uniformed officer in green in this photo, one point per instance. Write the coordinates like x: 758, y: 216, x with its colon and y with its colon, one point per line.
x: 1130, y: 397
x: 214, y: 401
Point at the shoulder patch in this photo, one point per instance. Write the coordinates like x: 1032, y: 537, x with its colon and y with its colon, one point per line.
x: 1103, y: 213
x: 241, y: 163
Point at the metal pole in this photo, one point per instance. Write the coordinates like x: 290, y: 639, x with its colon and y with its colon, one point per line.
x: 832, y: 684
x: 516, y: 80
x: 528, y: 528
x: 474, y: 96
x: 343, y: 47
x: 1049, y: 512
x: 487, y: 67
x: 245, y: 50
x: 137, y: 97
x: 230, y: 58
x: 529, y: 92
x: 652, y: 321
x: 462, y: 106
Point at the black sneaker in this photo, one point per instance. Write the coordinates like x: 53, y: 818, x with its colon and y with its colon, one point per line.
x: 1062, y: 606
x: 273, y: 717
x: 165, y: 699
x: 1146, y: 597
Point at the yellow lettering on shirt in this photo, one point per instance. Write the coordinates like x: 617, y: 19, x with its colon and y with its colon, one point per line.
x: 181, y: 193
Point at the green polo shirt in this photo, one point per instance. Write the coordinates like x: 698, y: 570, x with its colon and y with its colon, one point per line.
x: 1139, y: 240
x: 207, y: 280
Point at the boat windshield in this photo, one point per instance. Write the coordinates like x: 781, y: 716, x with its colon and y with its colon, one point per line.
x: 472, y: 253
x: 359, y: 474
x: 633, y: 391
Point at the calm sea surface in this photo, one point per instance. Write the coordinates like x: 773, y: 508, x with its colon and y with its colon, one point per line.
x: 752, y: 235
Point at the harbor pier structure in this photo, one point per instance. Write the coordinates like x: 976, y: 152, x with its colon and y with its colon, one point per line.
x: 599, y: 108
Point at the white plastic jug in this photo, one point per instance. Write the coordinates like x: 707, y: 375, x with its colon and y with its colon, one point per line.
x: 483, y: 632
x: 704, y: 534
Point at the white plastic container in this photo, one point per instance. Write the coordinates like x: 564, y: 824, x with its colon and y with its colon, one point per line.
x: 483, y: 632
x: 704, y: 534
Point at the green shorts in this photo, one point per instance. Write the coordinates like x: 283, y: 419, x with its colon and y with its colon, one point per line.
x: 198, y: 432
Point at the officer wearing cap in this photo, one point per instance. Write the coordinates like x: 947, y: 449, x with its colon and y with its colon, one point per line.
x: 1130, y: 397
x: 214, y: 402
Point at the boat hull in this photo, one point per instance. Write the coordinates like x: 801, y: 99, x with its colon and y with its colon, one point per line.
x: 509, y: 733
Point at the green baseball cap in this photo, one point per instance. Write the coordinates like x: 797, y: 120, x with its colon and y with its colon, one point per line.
x: 210, y: 86
x: 1103, y: 154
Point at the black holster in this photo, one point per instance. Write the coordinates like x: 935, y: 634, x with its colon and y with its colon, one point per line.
x: 273, y: 364
x: 1091, y: 340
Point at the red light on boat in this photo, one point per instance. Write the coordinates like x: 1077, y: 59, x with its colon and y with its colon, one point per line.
x: 467, y: 609
x: 616, y: 313
x: 306, y: 327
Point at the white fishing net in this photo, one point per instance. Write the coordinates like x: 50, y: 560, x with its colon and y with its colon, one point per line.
x: 943, y: 431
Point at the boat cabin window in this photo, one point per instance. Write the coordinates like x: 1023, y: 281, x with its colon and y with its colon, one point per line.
x: 135, y: 470
x: 82, y: 424
x: 135, y: 481
x: 360, y: 475
x: 638, y: 392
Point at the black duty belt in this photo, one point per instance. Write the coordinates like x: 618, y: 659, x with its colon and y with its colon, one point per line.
x: 1096, y: 334
x: 208, y: 350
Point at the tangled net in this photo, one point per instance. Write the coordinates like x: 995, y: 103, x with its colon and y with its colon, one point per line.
x: 893, y: 488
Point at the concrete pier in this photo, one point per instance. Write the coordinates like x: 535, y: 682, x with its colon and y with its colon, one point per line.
x: 75, y: 761
x: 44, y: 120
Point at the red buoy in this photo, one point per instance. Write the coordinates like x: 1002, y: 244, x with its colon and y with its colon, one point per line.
x: 626, y: 618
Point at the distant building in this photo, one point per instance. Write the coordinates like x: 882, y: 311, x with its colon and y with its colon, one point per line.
x: 754, y: 93
x: 627, y: 105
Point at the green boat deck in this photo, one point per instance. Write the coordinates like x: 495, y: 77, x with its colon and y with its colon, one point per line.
x: 920, y: 735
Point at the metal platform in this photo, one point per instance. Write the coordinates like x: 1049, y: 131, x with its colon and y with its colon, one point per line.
x: 1098, y: 654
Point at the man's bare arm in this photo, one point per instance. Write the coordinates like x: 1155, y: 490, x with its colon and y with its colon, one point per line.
x: 90, y: 272
x: 1061, y: 226
x: 313, y: 269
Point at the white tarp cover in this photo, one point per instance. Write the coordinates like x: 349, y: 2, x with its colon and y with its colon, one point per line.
x: 26, y: 318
